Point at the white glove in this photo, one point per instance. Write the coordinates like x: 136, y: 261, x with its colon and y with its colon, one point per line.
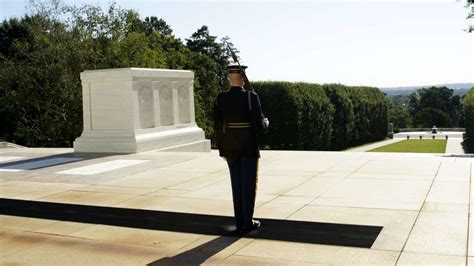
x: 266, y: 123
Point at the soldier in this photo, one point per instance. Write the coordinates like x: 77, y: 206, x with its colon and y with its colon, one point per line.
x: 238, y: 121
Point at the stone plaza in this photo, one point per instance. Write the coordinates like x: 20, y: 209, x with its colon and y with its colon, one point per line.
x: 142, y: 188
x: 421, y: 202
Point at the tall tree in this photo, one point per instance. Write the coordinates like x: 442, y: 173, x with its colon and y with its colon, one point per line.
x: 203, y: 42
x: 41, y: 56
x: 38, y: 88
x: 154, y: 24
x: 438, y: 105
x: 470, y: 16
x: 399, y: 116
x: 209, y: 61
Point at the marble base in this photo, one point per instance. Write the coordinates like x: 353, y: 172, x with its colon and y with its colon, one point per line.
x: 176, y: 139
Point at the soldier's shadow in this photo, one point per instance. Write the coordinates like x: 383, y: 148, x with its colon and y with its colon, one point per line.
x: 199, y: 254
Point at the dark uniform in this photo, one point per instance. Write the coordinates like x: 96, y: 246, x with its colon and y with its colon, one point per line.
x: 238, y: 120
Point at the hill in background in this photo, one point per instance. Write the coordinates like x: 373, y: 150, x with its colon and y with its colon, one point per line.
x: 459, y: 88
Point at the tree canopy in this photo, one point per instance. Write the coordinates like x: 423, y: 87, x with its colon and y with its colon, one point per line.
x: 435, y: 106
x: 42, y: 55
x: 470, y: 16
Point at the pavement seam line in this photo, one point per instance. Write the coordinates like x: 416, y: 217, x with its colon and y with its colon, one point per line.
x: 342, y: 179
x: 288, y: 190
x: 419, y: 212
x: 205, y: 175
x: 368, y: 208
x: 302, y: 183
x: 395, y: 179
x: 422, y: 253
x: 309, y: 204
x: 73, y: 190
x: 237, y: 250
x: 54, y: 194
x: 469, y: 216
x: 172, y: 253
x: 118, y: 193
x: 267, y: 258
x: 71, y: 235
x: 102, y: 241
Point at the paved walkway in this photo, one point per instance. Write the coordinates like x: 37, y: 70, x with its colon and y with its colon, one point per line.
x: 422, y: 201
x: 375, y: 145
x: 454, y: 146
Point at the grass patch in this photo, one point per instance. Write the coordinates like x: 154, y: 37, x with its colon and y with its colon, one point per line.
x: 415, y: 145
x: 366, y: 144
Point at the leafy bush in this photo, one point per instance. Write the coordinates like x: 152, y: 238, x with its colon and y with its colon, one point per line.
x: 300, y: 115
x: 399, y: 116
x: 343, y: 126
x: 307, y: 116
x: 371, y: 115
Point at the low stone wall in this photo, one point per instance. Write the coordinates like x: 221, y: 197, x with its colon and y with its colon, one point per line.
x: 424, y: 136
x: 458, y: 129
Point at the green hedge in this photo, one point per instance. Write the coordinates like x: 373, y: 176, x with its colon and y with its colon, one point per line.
x: 371, y: 115
x: 307, y: 116
x: 300, y: 115
x: 343, y: 126
x: 469, y: 120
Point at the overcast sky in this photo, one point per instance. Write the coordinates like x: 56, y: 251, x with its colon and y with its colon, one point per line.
x: 378, y: 43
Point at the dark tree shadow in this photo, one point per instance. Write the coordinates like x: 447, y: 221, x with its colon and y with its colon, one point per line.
x: 199, y: 254
x: 467, y: 147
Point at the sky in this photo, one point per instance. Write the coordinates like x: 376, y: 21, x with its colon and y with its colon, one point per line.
x: 354, y: 42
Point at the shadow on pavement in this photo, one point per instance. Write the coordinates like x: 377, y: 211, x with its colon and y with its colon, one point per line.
x: 272, y: 229
x: 199, y: 254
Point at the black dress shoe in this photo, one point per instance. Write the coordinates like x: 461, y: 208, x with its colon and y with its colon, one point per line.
x: 255, y: 225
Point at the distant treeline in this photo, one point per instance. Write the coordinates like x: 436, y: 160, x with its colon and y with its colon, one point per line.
x: 42, y: 55
x: 427, y: 107
x: 458, y: 88
x: 307, y: 116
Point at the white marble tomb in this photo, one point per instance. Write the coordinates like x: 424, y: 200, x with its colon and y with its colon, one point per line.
x: 131, y: 110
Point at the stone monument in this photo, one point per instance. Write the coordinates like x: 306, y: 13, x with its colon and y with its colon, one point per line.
x: 390, y: 130
x: 131, y: 110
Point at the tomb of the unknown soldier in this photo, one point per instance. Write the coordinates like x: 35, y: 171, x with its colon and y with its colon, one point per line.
x: 133, y: 110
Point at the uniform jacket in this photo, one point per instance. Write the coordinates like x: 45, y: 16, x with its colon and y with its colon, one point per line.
x: 232, y: 107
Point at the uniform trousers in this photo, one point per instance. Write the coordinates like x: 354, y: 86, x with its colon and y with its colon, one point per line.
x: 244, y: 177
